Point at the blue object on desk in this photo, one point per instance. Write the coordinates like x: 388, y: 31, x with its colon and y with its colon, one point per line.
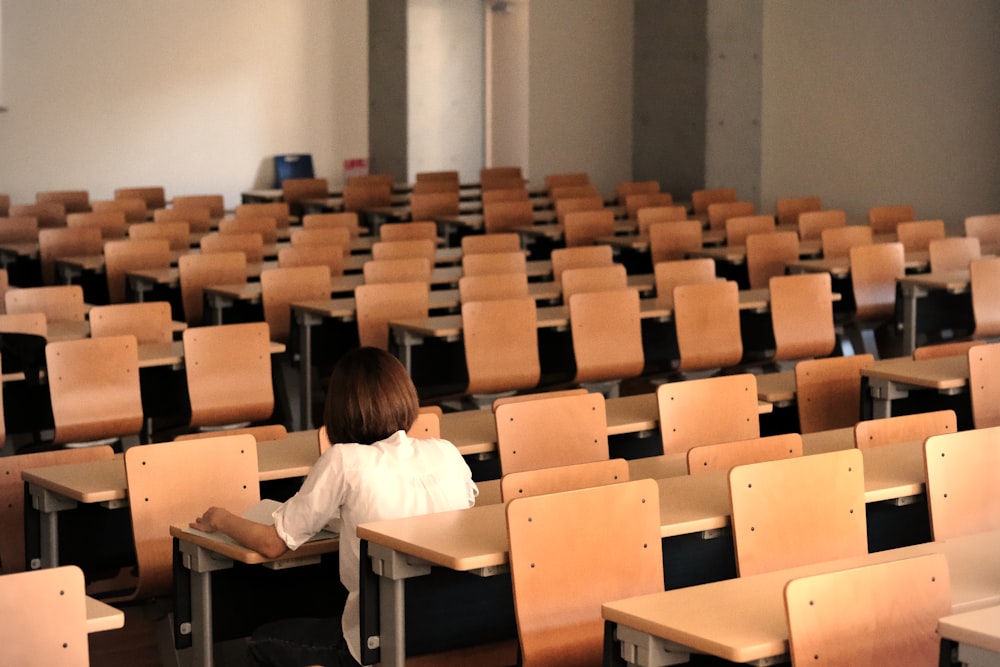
x: 293, y: 165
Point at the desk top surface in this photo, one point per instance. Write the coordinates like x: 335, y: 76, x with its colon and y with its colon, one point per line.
x: 980, y: 628
x: 941, y: 373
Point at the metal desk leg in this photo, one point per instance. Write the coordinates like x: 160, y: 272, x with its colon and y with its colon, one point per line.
x: 306, y: 322
x: 393, y: 569
x: 202, y: 563
x: 49, y: 504
x: 639, y: 648
x: 910, y: 295
x: 883, y: 392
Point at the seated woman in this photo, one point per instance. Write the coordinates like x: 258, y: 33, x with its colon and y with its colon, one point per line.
x: 375, y: 471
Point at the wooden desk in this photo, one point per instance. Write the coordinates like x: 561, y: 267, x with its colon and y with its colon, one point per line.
x: 743, y: 619
x: 102, y: 616
x: 473, y: 222
x: 892, y: 379
x: 917, y: 286
x: 977, y: 633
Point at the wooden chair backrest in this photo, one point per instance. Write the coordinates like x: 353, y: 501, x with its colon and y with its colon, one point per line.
x: 587, y: 227
x: 575, y: 205
x: 949, y: 349
x: 228, y: 369
x: 726, y: 455
x: 408, y: 231
x: 671, y: 241
x: 277, y: 209
x: 478, y: 244
x: 953, y: 254
x: 197, y: 271
x: 812, y: 223
x: 402, y: 249
x: 177, y: 233
x: 35, y: 324
x: 883, y: 219
x: 984, y: 384
x: 648, y: 215
x: 250, y: 244
x: 48, y: 214
x: 150, y: 322
x: 346, y: 219
x: 313, y: 236
x: 126, y: 255
x: 404, y: 270
x: 154, y: 196
x: 528, y: 483
x: 838, y: 241
x: 962, y: 493
x: 370, y: 179
x: 59, y: 303
x: 828, y: 392
x: 66, y: 242
x: 358, y: 197
x: 505, y: 216
x: 802, y: 316
x: 12, y: 495
x: 586, y: 190
x: 787, y: 209
x: 986, y: 228
x: 769, y: 255
x: 919, y: 426
x: 199, y: 218
x: 111, y: 223
x: 984, y: 276
x: 294, y: 190
x: 880, y: 615
x: 707, y: 320
x: 593, y: 279
x: 45, y: 618
x: 216, y: 203
x: 918, y: 234
x: 702, y: 199
x: 607, y: 335
x: 503, y: 190
x: 134, y: 207
x: 626, y: 188
x: 738, y: 229
x: 510, y: 171
x: 500, y: 338
x: 426, y: 187
x: 427, y: 424
x: 377, y: 304
x: 691, y: 412
x: 259, y: 433
x: 94, y: 387
x: 636, y: 202
x: 519, y: 398
x: 566, y: 178
x: 826, y: 521
x: 669, y: 275
x: 489, y: 263
x: 551, y: 431
x: 330, y: 256
x: 281, y: 287
x: 563, y: 566
x: 172, y: 482
x: 579, y: 257
x: 431, y: 205
x: 875, y: 268
x: 492, y: 286
x: 449, y: 176
x: 74, y: 201
x: 718, y: 213
x: 266, y: 227
x: 22, y: 229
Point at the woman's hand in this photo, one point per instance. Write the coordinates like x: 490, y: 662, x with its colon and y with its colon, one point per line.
x: 212, y: 520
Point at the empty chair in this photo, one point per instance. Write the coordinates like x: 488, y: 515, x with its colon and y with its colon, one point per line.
x: 587, y: 227
x: 707, y: 320
x: 330, y: 256
x: 649, y: 215
x: 984, y: 384
x: 894, y: 609
x: 228, y: 369
x: 66, y: 242
x: 875, y: 268
x: 197, y: 271
x: 295, y: 190
x: 720, y: 212
x: 537, y: 482
x: 348, y: 220
x: 49, y: 214
x: 154, y: 196
x: 579, y: 257
x: 787, y: 209
x: 825, y: 522
x: 953, y: 254
x: 492, y: 286
x: 126, y: 255
x: 150, y: 321
x: 278, y: 210
x: 903, y: 428
x: 812, y: 223
x: 433, y: 205
x: 593, y: 279
x: 838, y: 241
x: 726, y: 455
x: 23, y: 229
x: 426, y: 187
x: 636, y: 202
x: 215, y: 203
x: 75, y: 201
x: 738, y: 229
x: 363, y: 196
x: 404, y: 249
x: 918, y: 234
x: 802, y: 316
x: 259, y: 433
x: 483, y: 264
x: 574, y: 192
x: 507, y: 192
x: 575, y: 204
x: 949, y: 349
x: 986, y: 228
x: 199, y: 218
x: 379, y: 304
x: 408, y: 231
x: 562, y: 179
x: 690, y: 414
x: 500, y: 338
x: 506, y: 216
x: 962, y: 494
x: 828, y: 392
x: 702, y: 199
x: 281, y: 287
x: 607, y: 337
x: 884, y: 219
x: 177, y: 234
x: 407, y: 269
x: 59, y: 303
x: 266, y: 227
x: 562, y: 566
x: 476, y: 244
x: 32, y: 323
x: 545, y: 431
x: 134, y: 208
x: 669, y: 275
x: 670, y: 241
x: 111, y: 223
x: 250, y: 244
x: 626, y: 188
x: 984, y: 276
x: 338, y: 236
x: 768, y: 255
x: 494, y: 182
x: 447, y: 176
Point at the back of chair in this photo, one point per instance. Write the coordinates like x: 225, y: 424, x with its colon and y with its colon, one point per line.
x: 228, y: 371
x: 259, y: 433
x: 607, y: 335
x: 45, y: 618
x: 112, y: 224
x: 582, y: 191
x: 738, y: 229
x: 828, y: 392
x: 199, y: 218
x: 197, y: 271
x: 313, y: 236
x: 649, y: 215
x: 494, y: 286
x: 884, y: 219
x: 483, y: 264
x: 500, y: 338
x: 986, y: 228
x: 48, y: 214
x: 134, y: 208
x: 562, y: 478
x: 984, y: 384
x: 215, y: 203
x: 593, y: 279
x: 277, y: 210
x: 637, y: 201
x: 562, y: 179
x: 918, y: 234
x: 75, y: 201
x: 294, y: 190
x: 568, y: 205
x: 812, y: 223
x: 962, y: 493
x: 433, y: 205
x: 949, y: 349
x: 378, y: 304
x: 66, y: 242
x: 266, y: 227
x: 802, y: 316
x: 707, y: 411
x: 477, y: 244
x: 427, y: 424
x: 551, y: 431
x: 672, y: 241
x: 126, y: 255
x: 173, y: 482
x: 588, y: 227
x: 408, y: 231
x: 94, y: 385
x: 702, y: 199
x: 35, y: 324
x: 280, y: 288
x: 579, y: 257
x: 769, y: 255
x: 22, y: 229
x: 250, y: 244
x: 177, y: 234
x: 838, y: 241
x: 626, y: 188
x: 506, y: 216
x: 154, y: 196
x: 330, y: 256
x: 403, y: 249
x: 726, y: 455
x: 984, y: 276
x: 953, y: 254
x: 719, y: 213
x: 404, y: 270
x: 880, y: 615
x: 707, y: 320
x: 787, y: 209
x: 669, y: 275
x: 347, y: 220
x: 826, y: 520
x: 446, y: 176
x: 59, y: 303
x: 903, y: 428
x: 361, y: 196
x: 875, y: 269
x: 150, y: 322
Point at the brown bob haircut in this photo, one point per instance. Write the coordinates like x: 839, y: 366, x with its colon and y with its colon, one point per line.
x: 370, y: 397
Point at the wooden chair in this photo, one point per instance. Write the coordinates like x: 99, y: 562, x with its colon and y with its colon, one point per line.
x: 738, y: 229
x: 575, y: 205
x: 259, y: 433
x: 984, y: 384
x: 727, y: 455
x: 500, y: 338
x: 962, y: 494
x: 228, y: 369
x: 266, y: 227
x: 787, y: 209
x: 382, y: 250
x: 593, y: 279
x: 649, y: 215
x: 408, y: 231
x: 575, y: 192
x: 720, y: 212
x: 278, y: 210
x: 279, y: 288
x: 949, y: 349
x: 315, y: 236
x: 580, y: 257
x: 545, y: 431
x: 478, y: 244
x: 176, y: 234
x: 251, y: 245
x: 197, y: 271
x: 527, y: 483
x: 35, y: 324
x: 918, y: 234
x: 491, y: 263
x: 492, y: 286
x: 838, y: 241
x: 126, y: 255
x: 199, y: 218
x: 427, y: 424
x: 626, y: 188
x: 65, y: 242
x: 501, y: 183
x: 12, y: 496
x: 94, y: 388
x: 295, y: 190
x: 49, y: 214
x: 670, y: 241
x: 361, y: 196
x: 489, y: 172
x: 377, y: 304
x: 953, y: 254
x: 504, y: 192
x: 23, y: 229
x: 348, y: 220
x: 828, y: 392
x: 215, y: 203
x: 826, y: 521
x: 176, y: 482
x: 702, y: 199
x: 372, y: 179
x: 884, y: 219
x: 691, y: 413
x: 330, y: 256
x: 59, y: 303
x: 707, y: 320
x: 812, y: 223
x: 45, y: 618
x: 154, y: 196
x: 565, y: 555
x: 984, y: 276
x: 768, y: 255
x: 636, y: 202
x: 150, y: 321
x: 870, y: 433
x: 802, y: 316
x: 134, y: 208
x: 875, y: 269
x: 405, y: 270
x: 607, y: 337
x: 986, y: 228
x: 112, y: 224
x: 892, y: 622
x: 558, y: 180
x: 587, y: 227
x: 506, y: 216
x: 668, y: 275
x: 433, y: 205
x: 447, y: 176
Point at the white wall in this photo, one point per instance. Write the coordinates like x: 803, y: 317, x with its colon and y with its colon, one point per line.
x: 868, y: 103
x: 187, y: 94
